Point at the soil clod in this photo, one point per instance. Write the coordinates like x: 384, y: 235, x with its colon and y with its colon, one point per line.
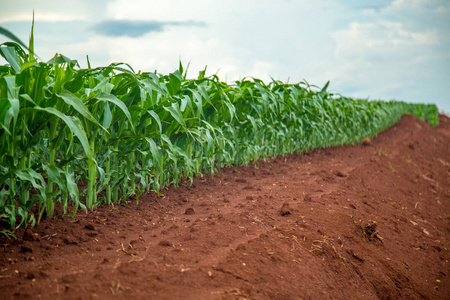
x: 370, y: 231
x: 340, y: 174
x: 285, y: 209
x: 366, y: 141
x: 307, y: 198
x: 25, y: 249
x: 89, y: 227
x: 189, y: 211
x: 165, y: 243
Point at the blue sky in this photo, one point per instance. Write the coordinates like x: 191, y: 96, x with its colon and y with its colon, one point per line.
x: 378, y: 49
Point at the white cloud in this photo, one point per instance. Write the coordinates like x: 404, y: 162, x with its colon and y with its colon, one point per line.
x: 241, y: 38
x: 381, y: 39
x: 42, y: 16
x: 163, y: 11
x: 406, y: 6
x: 161, y: 50
x: 50, y: 10
x: 399, y: 51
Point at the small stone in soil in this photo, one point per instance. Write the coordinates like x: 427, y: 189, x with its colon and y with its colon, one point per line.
x: 165, y: 243
x: 189, y: 211
x: 69, y: 241
x: 89, y: 227
x: 366, y: 141
x: 285, y: 209
x: 340, y: 174
x: 25, y: 249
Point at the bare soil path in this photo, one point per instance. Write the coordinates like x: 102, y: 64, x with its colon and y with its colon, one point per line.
x: 356, y: 222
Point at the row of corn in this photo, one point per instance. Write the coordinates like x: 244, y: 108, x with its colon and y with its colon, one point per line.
x: 77, y: 137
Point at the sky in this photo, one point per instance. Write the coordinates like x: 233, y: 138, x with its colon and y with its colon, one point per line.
x: 378, y: 50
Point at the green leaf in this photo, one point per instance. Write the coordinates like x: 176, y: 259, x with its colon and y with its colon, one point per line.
x: 113, y: 99
x: 156, y: 117
x: 28, y: 64
x: 204, y: 93
x: 12, y: 36
x: 31, y: 53
x: 61, y: 59
x: 13, y: 93
x: 10, y: 55
x: 31, y: 176
x: 157, y: 157
x: 73, y: 190
x: 74, y: 125
x: 324, y: 89
x: 107, y: 116
x: 77, y: 104
x: 154, y: 84
x: 176, y: 113
x: 174, y: 83
x: 55, y: 176
x: 167, y: 140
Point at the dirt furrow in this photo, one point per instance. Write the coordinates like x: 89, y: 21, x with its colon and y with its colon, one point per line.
x: 368, y: 221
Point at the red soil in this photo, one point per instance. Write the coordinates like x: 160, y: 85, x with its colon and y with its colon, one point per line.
x: 357, y: 222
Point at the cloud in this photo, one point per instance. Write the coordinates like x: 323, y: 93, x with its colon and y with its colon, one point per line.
x: 42, y: 17
x: 51, y: 11
x: 372, y: 5
x: 381, y: 40
x: 416, y: 14
x: 132, y: 28
x: 162, y: 11
x: 161, y: 52
x: 398, y: 51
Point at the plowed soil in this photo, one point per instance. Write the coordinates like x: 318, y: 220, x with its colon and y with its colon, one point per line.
x: 368, y: 221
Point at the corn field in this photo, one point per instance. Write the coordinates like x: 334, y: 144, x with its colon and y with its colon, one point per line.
x: 77, y: 138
